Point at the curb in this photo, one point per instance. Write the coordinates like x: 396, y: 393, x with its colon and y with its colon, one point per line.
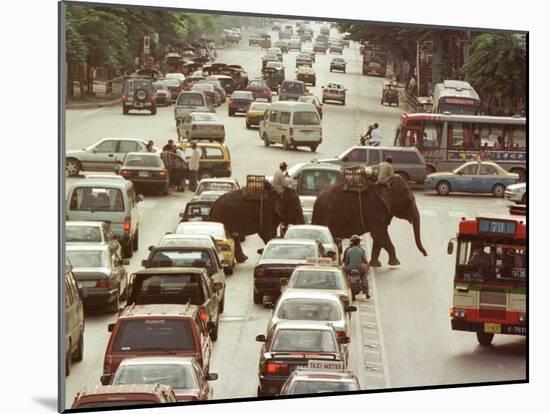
x: 92, y: 105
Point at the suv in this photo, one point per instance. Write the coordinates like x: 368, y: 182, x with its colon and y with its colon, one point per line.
x: 291, y: 90
x: 138, y: 94
x: 178, y: 285
x: 123, y: 395
x: 157, y: 330
x: 74, y: 320
x: 407, y: 162
x: 191, y: 101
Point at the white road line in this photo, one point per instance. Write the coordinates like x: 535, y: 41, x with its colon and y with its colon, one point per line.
x: 428, y: 212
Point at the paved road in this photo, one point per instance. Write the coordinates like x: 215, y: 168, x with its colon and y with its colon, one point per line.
x: 402, y: 337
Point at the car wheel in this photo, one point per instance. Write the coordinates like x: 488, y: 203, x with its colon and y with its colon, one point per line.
x: 127, y: 249
x: 498, y: 190
x: 484, y: 339
x: 230, y: 113
x: 135, y: 242
x: 266, y: 140
x: 68, y: 361
x: 154, y: 110
x: 313, y: 148
x: 285, y: 144
x: 125, y: 109
x: 221, y: 307
x: 114, y: 306
x: 72, y: 167
x: 258, y: 297
x: 443, y: 188
x: 79, y: 356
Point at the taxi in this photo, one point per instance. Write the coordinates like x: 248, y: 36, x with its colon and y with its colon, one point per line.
x: 307, y: 75
x: 256, y: 113
x: 215, y: 158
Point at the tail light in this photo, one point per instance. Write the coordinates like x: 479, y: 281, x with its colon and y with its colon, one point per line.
x: 103, y: 283
x: 127, y: 224
x: 160, y: 174
x: 259, y: 272
x: 273, y: 368
x: 230, y: 101
x: 124, y: 97
x: 153, y: 97
x: 267, y: 90
x: 203, y: 314
x: 126, y: 173
x: 340, y: 334
x: 225, y: 248
x: 178, y: 89
x: 107, y: 364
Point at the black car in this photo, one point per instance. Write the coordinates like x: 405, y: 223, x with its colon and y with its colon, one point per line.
x: 239, y: 102
x: 278, y: 260
x: 196, y: 211
x: 297, y: 344
x: 177, y: 285
x: 139, y: 94
x: 146, y: 171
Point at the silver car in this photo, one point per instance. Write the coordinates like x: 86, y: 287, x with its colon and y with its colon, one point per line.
x: 102, y: 156
x: 334, y: 92
x: 313, y: 232
x: 191, y: 101
x: 201, y: 125
x: 77, y: 232
x: 516, y: 193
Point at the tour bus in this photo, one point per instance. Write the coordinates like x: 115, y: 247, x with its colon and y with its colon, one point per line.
x: 448, y: 141
x: 489, y: 290
x: 374, y: 60
x: 455, y: 97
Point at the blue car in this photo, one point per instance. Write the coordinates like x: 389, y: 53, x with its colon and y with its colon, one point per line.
x: 472, y: 177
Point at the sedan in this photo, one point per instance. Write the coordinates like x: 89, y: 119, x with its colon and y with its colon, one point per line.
x: 210, y: 92
x: 100, y: 274
x: 255, y: 113
x: 516, y: 193
x: 201, y: 125
x: 314, y: 232
x: 334, y: 92
x: 310, y: 381
x: 320, y: 278
x: 146, y: 171
x: 162, y: 93
x: 227, y: 82
x: 217, y: 86
x: 269, y: 57
x: 303, y: 59
x: 276, y: 51
x: 282, y: 45
x: 472, y: 177
x: 310, y: 51
x: 174, y: 85
x: 183, y: 374
x: 307, y: 75
x: 259, y: 89
x: 216, y: 184
x: 338, y: 63
x: 91, y: 232
x: 239, y: 102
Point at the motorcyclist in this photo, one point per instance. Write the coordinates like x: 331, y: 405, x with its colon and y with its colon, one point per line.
x: 355, y: 258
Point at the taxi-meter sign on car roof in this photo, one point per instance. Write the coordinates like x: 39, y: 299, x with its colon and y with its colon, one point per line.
x: 320, y: 261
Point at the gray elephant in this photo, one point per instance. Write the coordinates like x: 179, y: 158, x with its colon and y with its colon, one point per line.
x: 347, y: 213
x: 243, y: 216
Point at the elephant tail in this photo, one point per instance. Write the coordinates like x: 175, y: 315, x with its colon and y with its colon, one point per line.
x: 416, y: 228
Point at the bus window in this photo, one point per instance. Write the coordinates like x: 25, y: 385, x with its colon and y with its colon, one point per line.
x: 518, y: 138
x: 488, y: 134
x: 510, y: 263
x: 459, y: 135
x: 432, y: 135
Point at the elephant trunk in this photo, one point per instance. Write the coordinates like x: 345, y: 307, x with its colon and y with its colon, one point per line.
x: 416, y: 228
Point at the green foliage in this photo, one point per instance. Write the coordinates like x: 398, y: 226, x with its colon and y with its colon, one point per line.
x: 497, y: 70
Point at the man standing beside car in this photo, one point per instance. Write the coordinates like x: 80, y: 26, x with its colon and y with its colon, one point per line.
x: 194, y: 166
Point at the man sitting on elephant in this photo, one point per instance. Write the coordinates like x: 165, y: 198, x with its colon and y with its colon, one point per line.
x: 355, y: 258
x: 385, y: 171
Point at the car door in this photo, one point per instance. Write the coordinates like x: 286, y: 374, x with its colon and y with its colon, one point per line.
x: 463, y: 180
x: 211, y: 300
x: 102, y: 157
x: 124, y: 147
x: 119, y: 272
x: 272, y: 127
x: 355, y: 156
x: 486, y: 179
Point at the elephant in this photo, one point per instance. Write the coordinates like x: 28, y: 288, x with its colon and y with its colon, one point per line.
x: 351, y: 212
x: 241, y: 216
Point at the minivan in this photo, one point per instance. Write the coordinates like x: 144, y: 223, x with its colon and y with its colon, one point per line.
x: 292, y: 124
x: 74, y: 320
x: 291, y: 90
x: 112, y: 201
x: 191, y: 101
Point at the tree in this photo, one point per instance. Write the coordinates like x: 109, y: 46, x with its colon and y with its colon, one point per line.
x: 497, y: 70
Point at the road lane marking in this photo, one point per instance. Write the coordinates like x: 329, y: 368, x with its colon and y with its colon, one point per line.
x: 457, y: 214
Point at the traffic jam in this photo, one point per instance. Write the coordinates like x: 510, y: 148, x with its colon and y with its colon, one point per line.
x: 190, y: 261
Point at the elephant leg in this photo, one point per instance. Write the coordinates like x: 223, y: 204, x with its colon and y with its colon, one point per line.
x: 266, y: 236
x: 239, y: 254
x: 382, y: 237
x: 374, y: 262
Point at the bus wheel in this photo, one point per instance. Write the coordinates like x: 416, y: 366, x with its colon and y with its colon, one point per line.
x: 484, y: 339
x: 443, y: 188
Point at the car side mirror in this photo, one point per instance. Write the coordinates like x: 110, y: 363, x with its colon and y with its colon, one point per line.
x: 450, y: 247
x: 344, y: 340
x: 94, y: 150
x: 182, y: 215
x: 117, y: 169
x: 144, y: 262
x: 331, y: 253
x: 110, y: 327
x: 125, y: 262
x: 211, y: 376
x: 269, y: 305
x: 351, y: 308
x: 260, y: 338
x: 284, y: 282
x: 106, y: 379
x: 150, y: 247
x: 260, y: 251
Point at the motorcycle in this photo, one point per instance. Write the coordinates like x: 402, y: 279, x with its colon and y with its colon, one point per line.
x: 355, y: 283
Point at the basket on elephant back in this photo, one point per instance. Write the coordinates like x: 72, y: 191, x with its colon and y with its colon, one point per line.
x: 255, y: 188
x: 355, y: 178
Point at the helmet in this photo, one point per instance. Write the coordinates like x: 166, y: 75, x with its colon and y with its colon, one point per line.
x: 355, y: 239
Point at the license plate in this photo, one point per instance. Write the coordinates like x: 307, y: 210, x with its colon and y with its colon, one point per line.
x: 138, y: 104
x: 143, y: 174
x: 492, y: 328
x: 332, y: 365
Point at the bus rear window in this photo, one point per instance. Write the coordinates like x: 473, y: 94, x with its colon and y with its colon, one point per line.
x: 154, y: 335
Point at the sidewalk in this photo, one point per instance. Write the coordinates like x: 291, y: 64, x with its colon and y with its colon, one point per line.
x: 93, y: 102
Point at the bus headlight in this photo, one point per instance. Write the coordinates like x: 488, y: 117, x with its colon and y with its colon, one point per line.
x: 522, y: 318
x: 460, y: 313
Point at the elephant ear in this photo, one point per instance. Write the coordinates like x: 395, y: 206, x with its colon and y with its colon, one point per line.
x: 400, y: 196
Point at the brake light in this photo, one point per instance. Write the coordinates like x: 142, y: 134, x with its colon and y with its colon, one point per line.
x: 178, y: 89
x: 259, y: 272
x: 276, y: 368
x: 127, y: 223
x: 104, y: 284
x: 267, y: 90
x: 230, y: 101
x: 153, y: 97
x: 107, y: 364
x: 162, y: 174
x: 340, y: 334
x: 124, y: 97
x: 203, y: 314
x: 125, y: 173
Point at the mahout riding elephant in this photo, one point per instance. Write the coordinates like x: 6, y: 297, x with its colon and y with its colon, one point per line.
x: 350, y: 212
x: 242, y: 217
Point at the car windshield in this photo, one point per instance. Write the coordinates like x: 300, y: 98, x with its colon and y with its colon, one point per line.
x: 185, y: 241
x: 310, y: 340
x: 338, y: 60
x: 203, y: 87
x: 293, y: 87
x: 257, y: 85
x: 167, y: 289
x: 88, y: 258
x: 210, y: 196
x: 181, y: 258
x: 313, y: 387
x: 143, y: 160
x: 91, y: 234
x: 202, y: 229
x: 96, y: 199
x: 295, y: 168
x: 154, y: 334
x: 318, y: 279
x: 306, y: 118
x: 258, y: 107
x: 190, y: 99
x: 289, y: 251
x: 214, y: 186
x: 204, y: 118
x: 310, y: 234
x: 242, y: 95
x: 309, y: 310
x: 159, y: 86
x: 178, y: 376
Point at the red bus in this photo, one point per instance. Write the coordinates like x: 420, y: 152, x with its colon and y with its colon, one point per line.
x: 489, y: 289
x: 374, y: 60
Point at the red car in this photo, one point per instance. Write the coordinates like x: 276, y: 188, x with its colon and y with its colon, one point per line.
x: 259, y: 89
x: 123, y: 395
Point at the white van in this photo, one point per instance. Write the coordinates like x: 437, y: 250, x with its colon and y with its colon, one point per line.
x: 293, y: 124
x: 112, y: 201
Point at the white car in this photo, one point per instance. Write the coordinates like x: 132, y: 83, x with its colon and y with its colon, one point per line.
x: 201, y: 125
x: 313, y: 232
x: 178, y: 76
x: 516, y: 193
x: 334, y: 92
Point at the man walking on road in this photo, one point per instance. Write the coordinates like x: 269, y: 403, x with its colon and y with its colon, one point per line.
x: 170, y: 147
x: 194, y: 166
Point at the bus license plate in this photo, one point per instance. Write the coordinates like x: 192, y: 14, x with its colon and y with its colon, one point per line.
x: 492, y: 328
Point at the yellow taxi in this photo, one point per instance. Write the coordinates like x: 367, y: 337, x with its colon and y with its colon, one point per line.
x: 306, y: 74
x: 215, y: 159
x: 224, y: 241
x: 255, y: 113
